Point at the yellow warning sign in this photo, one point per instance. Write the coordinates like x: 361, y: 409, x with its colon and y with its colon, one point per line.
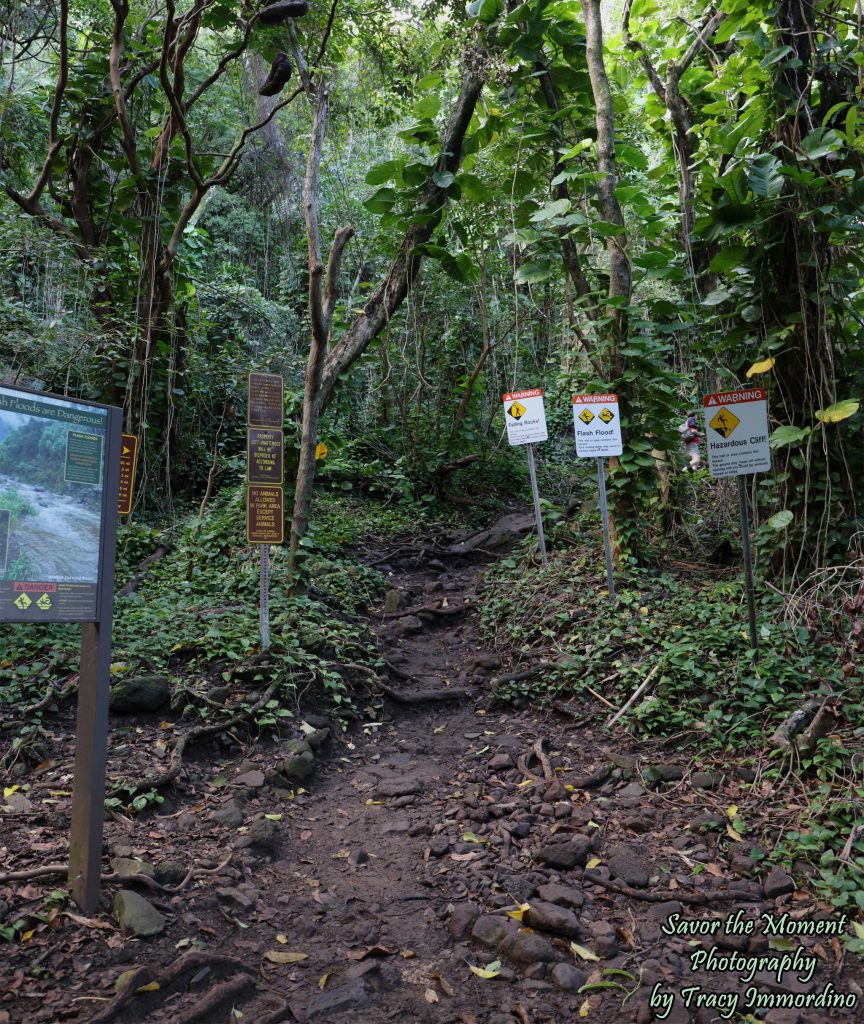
x: 23, y: 602
x: 724, y: 422
x: 586, y: 416
x: 606, y: 415
x: 44, y: 602
x: 517, y: 410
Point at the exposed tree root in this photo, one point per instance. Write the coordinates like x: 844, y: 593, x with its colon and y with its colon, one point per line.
x: 46, y: 870
x: 175, y: 763
x: 157, y: 556
x: 218, y: 998
x: 132, y: 1005
x: 420, y: 696
x: 433, y: 610
x: 695, y: 899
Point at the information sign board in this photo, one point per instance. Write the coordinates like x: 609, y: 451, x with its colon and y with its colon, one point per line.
x: 264, y: 456
x: 597, y: 424
x: 736, y: 432
x: 128, y: 461
x: 266, y: 405
x: 265, y: 515
x: 52, y: 472
x: 525, y: 417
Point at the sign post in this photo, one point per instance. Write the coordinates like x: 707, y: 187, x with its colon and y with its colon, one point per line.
x: 597, y: 428
x: 60, y: 460
x: 526, y: 424
x: 737, y: 436
x: 265, y: 505
x: 128, y: 462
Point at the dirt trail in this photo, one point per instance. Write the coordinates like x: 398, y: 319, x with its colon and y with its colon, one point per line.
x: 422, y: 827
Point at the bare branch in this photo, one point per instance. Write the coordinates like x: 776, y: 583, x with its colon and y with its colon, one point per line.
x: 334, y: 265
x: 54, y: 141
x: 127, y: 135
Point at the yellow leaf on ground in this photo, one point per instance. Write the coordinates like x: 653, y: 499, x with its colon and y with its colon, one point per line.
x: 151, y: 986
x: 282, y: 939
x: 278, y: 956
x: 27, y: 936
x: 430, y: 995
x: 9, y: 790
x: 322, y: 981
x: 735, y: 836
x: 763, y: 366
x: 582, y: 952
x: 595, y: 862
x: 518, y: 914
x: 406, y: 954
x: 489, y: 971
x: 731, y: 811
x: 585, y: 1008
x: 374, y: 803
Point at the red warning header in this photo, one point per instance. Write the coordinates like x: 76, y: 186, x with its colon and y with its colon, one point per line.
x: 593, y: 399
x: 731, y: 397
x: 511, y: 396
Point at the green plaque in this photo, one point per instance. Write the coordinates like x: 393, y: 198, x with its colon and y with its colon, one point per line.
x: 83, y: 458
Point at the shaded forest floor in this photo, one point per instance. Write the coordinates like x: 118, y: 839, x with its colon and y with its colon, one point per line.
x: 450, y: 859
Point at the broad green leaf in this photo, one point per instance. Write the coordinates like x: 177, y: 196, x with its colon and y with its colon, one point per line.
x: 764, y: 176
x: 533, y: 273
x: 729, y: 257
x: 786, y: 436
x: 474, y: 189
x: 820, y: 142
x: 485, y: 10
x: 775, y: 55
x: 763, y: 366
x: 556, y: 208
x: 780, y: 520
x: 382, y: 201
x: 384, y: 172
x: 443, y: 179
x: 716, y: 297
x: 838, y: 411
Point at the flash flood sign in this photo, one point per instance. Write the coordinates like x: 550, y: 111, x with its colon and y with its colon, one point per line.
x: 525, y: 417
x: 597, y: 425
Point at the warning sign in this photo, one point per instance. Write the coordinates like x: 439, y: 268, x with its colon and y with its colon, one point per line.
x: 525, y: 416
x: 44, y: 602
x: 23, y: 602
x: 265, y: 515
x: 264, y: 461
x: 128, y: 459
x: 737, y: 432
x: 597, y: 426
x: 266, y: 402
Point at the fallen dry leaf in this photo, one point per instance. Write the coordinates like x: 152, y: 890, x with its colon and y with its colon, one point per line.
x: 430, y: 995
x: 583, y: 952
x: 361, y: 954
x: 278, y: 956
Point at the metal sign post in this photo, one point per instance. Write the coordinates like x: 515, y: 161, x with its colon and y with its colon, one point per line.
x: 597, y: 429
x: 748, y: 562
x: 541, y: 540
x: 737, y: 435
x: 525, y: 419
x: 604, y: 515
x: 265, y: 596
x: 265, y: 500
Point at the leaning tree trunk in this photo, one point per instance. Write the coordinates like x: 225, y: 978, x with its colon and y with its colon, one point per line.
x: 623, y: 507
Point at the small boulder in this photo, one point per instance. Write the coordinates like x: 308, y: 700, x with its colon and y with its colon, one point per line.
x: 777, y: 883
x: 136, y: 916
x: 139, y: 693
x: 462, y: 921
x: 264, y: 834
x: 547, y: 917
x: 564, y: 855
x: 490, y: 931
x: 171, y: 872
x: 299, y: 764
x: 231, y: 816
x: 630, y: 868
x: 568, y: 977
x: 128, y: 866
x: 253, y: 779
x: 523, y: 948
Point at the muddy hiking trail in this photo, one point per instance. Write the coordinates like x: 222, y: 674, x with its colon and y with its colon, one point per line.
x: 441, y: 859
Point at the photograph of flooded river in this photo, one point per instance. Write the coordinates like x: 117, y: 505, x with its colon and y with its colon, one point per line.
x: 59, y: 541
